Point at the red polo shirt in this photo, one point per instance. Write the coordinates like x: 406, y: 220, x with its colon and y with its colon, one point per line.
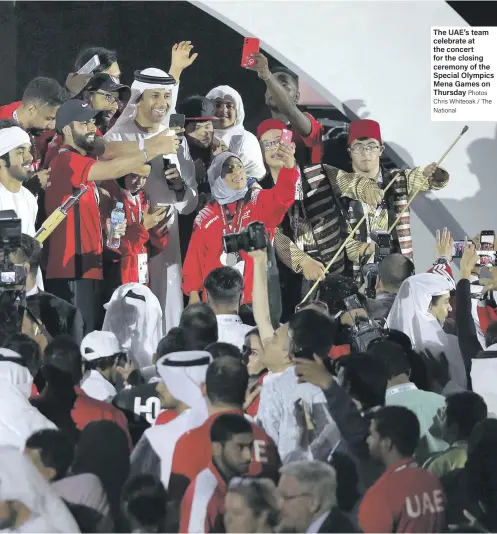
x: 75, y: 247
x: 405, y: 498
x: 193, y: 453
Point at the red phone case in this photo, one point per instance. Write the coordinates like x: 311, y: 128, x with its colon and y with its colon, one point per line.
x: 286, y: 137
x: 251, y: 45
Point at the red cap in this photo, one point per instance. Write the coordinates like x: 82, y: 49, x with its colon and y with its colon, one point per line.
x: 364, y: 128
x: 269, y: 124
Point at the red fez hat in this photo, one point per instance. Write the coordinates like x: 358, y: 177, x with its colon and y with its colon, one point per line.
x: 269, y: 124
x: 364, y: 128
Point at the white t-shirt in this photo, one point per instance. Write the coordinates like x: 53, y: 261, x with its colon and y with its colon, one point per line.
x: 24, y: 204
x: 232, y: 330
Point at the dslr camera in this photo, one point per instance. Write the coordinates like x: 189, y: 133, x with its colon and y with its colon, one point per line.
x: 364, y: 329
x: 253, y: 237
x: 12, y: 277
x: 383, y: 241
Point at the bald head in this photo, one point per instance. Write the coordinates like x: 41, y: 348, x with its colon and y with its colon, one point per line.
x: 393, y: 270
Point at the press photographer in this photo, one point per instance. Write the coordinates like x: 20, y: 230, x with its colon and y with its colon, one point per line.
x: 12, y: 276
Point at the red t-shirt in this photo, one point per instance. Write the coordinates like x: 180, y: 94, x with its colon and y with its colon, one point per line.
x: 87, y: 409
x: 309, y: 149
x: 405, y: 498
x: 53, y: 147
x: 75, y: 247
x: 193, y: 453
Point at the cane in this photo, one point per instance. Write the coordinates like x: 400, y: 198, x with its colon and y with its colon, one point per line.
x: 363, y: 218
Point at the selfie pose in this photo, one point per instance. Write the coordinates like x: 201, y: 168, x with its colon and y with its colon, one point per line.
x: 234, y: 207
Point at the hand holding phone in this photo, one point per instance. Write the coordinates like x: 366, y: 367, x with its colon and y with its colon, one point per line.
x: 90, y: 66
x: 251, y: 46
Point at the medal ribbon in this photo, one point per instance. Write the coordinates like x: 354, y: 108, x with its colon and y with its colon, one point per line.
x: 236, y: 221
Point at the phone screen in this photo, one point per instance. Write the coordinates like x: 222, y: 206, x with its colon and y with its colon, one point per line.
x: 458, y: 249
x: 251, y: 46
x: 487, y: 240
x: 286, y: 137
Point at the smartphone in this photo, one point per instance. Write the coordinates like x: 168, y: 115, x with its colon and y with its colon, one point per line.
x: 90, y: 65
x: 458, y: 249
x: 167, y: 166
x: 352, y: 303
x: 286, y: 137
x: 251, y: 45
x: 487, y: 240
x: 177, y: 120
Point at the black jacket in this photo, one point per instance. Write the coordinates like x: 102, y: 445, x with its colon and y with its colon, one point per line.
x: 337, y: 521
x: 57, y: 315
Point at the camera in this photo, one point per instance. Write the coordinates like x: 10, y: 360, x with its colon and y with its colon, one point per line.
x: 253, y: 237
x: 364, y: 330
x: 383, y: 241
x: 12, y: 277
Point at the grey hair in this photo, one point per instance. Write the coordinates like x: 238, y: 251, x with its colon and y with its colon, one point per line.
x: 317, y: 479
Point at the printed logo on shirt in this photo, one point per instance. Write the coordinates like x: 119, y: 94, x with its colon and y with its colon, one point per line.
x: 426, y: 503
x: 211, y: 221
x: 150, y: 408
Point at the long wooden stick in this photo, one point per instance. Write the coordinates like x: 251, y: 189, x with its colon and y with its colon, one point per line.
x: 357, y: 226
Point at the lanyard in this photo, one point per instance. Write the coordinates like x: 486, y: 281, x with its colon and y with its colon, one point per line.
x: 236, y: 220
x: 137, y: 201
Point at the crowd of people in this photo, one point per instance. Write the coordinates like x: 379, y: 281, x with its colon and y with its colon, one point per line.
x: 214, y: 336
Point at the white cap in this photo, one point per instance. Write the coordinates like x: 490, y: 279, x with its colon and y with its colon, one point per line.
x: 99, y: 344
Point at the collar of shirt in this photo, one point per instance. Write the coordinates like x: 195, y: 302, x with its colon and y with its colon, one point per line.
x: 317, y: 523
x: 400, y: 389
x: 270, y: 376
x: 399, y: 466
x: 221, y: 483
x: 33, y: 291
x: 227, y: 319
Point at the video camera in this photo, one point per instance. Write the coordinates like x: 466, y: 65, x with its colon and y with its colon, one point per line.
x: 383, y: 241
x: 12, y: 276
x: 253, y: 237
x: 364, y: 329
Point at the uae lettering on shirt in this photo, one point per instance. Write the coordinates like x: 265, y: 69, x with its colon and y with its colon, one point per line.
x: 426, y: 503
x: 150, y: 409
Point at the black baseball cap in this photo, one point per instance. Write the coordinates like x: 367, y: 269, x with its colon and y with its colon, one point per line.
x: 74, y: 110
x: 197, y: 108
x: 104, y: 82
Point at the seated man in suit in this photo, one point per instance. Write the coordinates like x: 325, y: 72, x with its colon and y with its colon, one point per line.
x: 46, y: 315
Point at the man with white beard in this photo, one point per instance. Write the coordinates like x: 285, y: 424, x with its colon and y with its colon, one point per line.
x: 153, y: 99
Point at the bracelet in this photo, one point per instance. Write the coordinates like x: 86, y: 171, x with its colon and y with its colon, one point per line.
x: 265, y: 79
x: 145, y: 153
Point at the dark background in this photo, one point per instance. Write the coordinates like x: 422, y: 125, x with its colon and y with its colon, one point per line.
x: 44, y: 38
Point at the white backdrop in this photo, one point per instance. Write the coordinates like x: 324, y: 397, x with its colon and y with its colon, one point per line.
x: 372, y: 59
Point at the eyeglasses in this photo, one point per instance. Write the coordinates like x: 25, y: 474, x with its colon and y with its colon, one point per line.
x: 316, y: 303
x: 268, y: 145
x: 110, y: 99
x: 357, y: 149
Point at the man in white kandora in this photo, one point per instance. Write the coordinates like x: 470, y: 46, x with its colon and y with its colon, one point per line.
x: 153, y: 100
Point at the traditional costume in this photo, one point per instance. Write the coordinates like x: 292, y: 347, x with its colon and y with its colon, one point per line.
x: 397, y: 197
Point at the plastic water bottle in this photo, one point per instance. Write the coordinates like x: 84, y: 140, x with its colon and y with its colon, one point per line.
x: 117, y: 217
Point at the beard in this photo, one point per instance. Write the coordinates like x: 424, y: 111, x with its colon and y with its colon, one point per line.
x: 82, y: 141
x: 20, y: 173
x: 36, y: 132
